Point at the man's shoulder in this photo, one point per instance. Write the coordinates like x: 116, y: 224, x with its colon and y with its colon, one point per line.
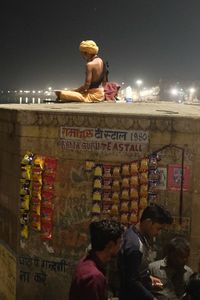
x: 134, y: 234
x: 131, y: 239
x: 88, y: 267
x: 87, y: 273
x: 86, y: 263
x: 92, y: 63
x: 131, y: 231
x: 89, y: 63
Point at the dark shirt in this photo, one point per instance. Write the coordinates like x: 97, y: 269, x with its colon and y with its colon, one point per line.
x: 89, y: 282
x: 133, y: 265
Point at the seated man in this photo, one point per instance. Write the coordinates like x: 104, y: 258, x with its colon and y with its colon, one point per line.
x: 172, y: 270
x: 91, y: 90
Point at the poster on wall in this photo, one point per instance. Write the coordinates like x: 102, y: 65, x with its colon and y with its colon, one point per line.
x: 174, y: 177
x: 162, y: 185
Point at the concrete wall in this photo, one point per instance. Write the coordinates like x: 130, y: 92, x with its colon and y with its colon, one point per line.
x: 44, y: 269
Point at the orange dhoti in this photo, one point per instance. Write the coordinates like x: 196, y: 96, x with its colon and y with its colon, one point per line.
x: 91, y: 95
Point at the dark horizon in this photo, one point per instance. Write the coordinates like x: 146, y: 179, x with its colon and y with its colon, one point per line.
x: 148, y: 39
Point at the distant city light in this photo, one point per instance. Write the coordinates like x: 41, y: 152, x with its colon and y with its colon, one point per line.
x: 128, y: 92
x: 178, y: 92
x: 146, y: 92
x: 139, y: 82
x: 174, y: 92
x: 192, y: 90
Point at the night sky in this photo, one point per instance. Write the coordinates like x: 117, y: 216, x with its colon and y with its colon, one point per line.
x: 148, y: 39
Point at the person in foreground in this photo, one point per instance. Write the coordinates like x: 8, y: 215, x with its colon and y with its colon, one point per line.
x: 89, y: 281
x: 172, y: 270
x: 135, y: 280
x: 193, y: 287
x: 96, y: 74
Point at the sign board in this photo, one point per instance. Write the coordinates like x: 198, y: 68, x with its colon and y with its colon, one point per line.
x: 102, y: 139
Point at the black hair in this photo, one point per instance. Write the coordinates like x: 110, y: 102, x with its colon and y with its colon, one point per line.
x: 177, y: 244
x: 193, y: 286
x: 157, y: 214
x: 104, y: 231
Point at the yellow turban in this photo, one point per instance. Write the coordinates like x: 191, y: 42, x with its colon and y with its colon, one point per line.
x: 89, y: 47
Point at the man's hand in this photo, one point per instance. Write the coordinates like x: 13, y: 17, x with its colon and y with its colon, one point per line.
x: 156, y: 282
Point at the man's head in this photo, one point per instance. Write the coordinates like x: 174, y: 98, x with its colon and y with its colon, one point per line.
x: 88, y: 48
x: 153, y: 219
x: 177, y: 252
x: 106, y: 235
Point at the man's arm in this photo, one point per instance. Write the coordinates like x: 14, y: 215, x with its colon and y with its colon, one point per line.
x: 95, y: 288
x: 132, y: 262
x: 89, y: 287
x: 88, y: 79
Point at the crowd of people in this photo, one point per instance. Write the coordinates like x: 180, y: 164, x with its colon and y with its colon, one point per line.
x: 139, y: 278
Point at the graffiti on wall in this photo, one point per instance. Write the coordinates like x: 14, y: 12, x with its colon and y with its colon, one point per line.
x: 75, y: 208
x: 72, y: 194
x: 40, y: 276
x: 72, y: 215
